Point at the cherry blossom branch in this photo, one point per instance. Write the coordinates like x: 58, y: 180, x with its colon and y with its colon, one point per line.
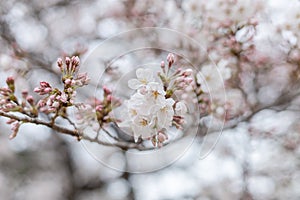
x: 75, y: 133
x: 37, y: 121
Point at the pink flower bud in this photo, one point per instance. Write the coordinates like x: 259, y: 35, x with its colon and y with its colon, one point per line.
x: 106, y: 90
x: 69, y: 90
x: 30, y: 100
x: 37, y: 90
x: 42, y: 103
x: 68, y: 81
x: 99, y: 108
x: 52, y: 97
x: 67, y: 60
x: 75, y: 60
x: 59, y: 63
x: 109, y: 98
x: 162, y: 64
x: 170, y: 59
x: 44, y: 84
x: 47, y: 90
x: 161, y: 137
x: 10, y: 80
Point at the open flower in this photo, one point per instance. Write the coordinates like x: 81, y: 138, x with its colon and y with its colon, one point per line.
x: 144, y: 76
x: 149, y: 109
x: 165, y: 114
x: 142, y: 126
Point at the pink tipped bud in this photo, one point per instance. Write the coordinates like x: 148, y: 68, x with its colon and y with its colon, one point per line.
x: 10, y: 80
x: 59, y: 63
x: 44, y: 84
x: 109, y: 98
x: 47, y: 90
x: 30, y: 100
x: 37, y: 90
x: 99, y: 108
x: 75, y: 61
x: 106, y: 90
x: 161, y: 137
x: 67, y: 60
x: 170, y: 59
x: 52, y: 97
x: 70, y: 90
x: 162, y: 64
x: 42, y: 103
x: 68, y: 81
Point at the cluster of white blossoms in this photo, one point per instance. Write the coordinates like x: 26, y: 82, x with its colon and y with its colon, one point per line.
x: 150, y: 111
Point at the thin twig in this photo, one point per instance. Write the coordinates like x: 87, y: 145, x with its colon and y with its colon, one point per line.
x: 76, y: 133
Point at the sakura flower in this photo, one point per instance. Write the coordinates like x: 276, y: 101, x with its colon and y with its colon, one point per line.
x: 150, y: 111
x: 142, y: 126
x: 144, y: 76
x: 155, y: 91
x: 165, y: 114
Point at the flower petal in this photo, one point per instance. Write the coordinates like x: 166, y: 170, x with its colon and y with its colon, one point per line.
x: 134, y: 84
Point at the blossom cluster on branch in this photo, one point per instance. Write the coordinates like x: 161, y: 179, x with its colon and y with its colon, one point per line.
x: 154, y: 108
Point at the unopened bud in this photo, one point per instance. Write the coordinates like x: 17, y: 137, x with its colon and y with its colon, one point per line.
x: 161, y: 137
x: 30, y: 100
x: 162, y: 64
x: 10, y: 81
x: 68, y: 81
x: 68, y: 60
x: 75, y: 61
x: 59, y: 63
x: 170, y: 59
x: 106, y: 90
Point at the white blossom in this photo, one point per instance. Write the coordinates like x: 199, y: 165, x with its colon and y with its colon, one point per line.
x: 144, y: 76
x: 149, y: 111
x: 165, y: 114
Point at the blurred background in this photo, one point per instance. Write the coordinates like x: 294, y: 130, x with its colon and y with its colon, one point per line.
x: 258, y: 153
